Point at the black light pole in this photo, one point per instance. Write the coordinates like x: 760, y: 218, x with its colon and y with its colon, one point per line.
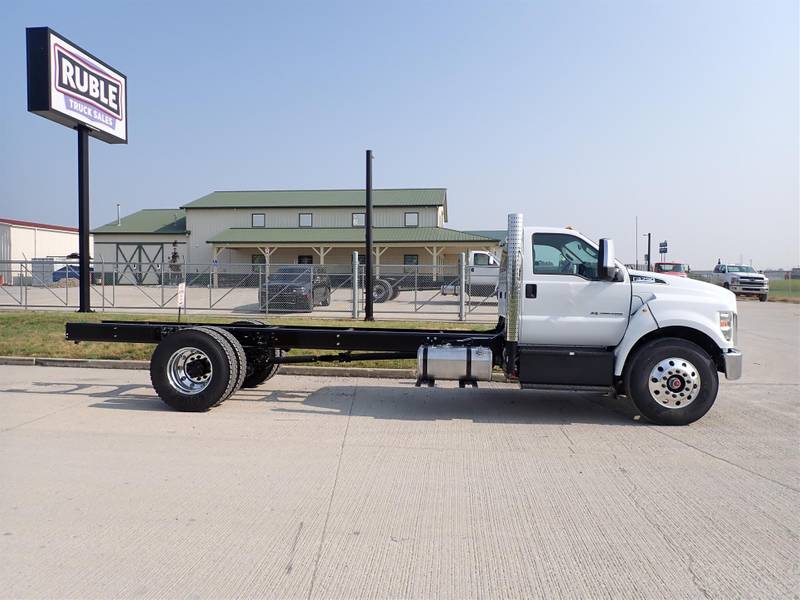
x: 368, y: 316
x: 83, y: 219
x: 648, y: 252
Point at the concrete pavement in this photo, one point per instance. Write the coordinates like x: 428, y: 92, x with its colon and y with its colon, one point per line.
x: 338, y: 488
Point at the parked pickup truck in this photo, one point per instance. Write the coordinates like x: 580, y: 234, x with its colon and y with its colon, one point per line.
x: 672, y: 268
x: 742, y: 280
x: 571, y: 317
x: 482, y: 272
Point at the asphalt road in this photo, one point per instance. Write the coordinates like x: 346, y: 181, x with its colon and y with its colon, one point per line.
x: 341, y: 488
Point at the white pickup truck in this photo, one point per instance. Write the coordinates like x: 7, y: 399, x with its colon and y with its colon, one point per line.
x: 481, y: 275
x: 742, y: 280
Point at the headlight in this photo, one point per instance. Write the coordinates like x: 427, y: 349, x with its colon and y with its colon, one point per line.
x: 728, y: 325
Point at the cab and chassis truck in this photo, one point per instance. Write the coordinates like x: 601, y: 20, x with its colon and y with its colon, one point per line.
x: 571, y: 317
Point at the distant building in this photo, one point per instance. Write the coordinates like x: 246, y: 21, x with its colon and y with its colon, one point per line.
x: 292, y: 226
x: 26, y: 241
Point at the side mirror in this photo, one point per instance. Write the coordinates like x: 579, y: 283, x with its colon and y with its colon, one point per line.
x: 606, y: 263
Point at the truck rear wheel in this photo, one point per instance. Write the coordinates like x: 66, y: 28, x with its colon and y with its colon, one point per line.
x: 672, y: 381
x: 238, y: 351
x: 381, y: 291
x: 193, y: 369
x: 260, y: 367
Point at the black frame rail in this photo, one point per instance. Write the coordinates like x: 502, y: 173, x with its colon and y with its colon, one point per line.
x: 388, y: 342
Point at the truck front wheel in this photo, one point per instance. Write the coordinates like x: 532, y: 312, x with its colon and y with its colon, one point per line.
x: 672, y: 381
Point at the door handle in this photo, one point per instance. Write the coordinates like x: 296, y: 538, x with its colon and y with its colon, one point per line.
x: 530, y: 290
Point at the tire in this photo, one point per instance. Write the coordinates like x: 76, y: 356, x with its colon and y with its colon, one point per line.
x: 188, y: 388
x: 763, y: 297
x: 683, y: 372
x: 238, y: 350
x: 259, y: 366
x: 726, y: 285
x: 395, y: 293
x: 381, y: 291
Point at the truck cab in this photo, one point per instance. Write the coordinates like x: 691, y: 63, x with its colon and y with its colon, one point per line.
x: 581, y: 320
x: 671, y: 268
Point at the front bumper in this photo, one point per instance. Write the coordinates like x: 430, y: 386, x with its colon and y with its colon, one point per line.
x: 732, y: 363
x: 749, y: 289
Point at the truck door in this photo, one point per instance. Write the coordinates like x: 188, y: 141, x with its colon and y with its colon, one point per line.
x: 562, y: 301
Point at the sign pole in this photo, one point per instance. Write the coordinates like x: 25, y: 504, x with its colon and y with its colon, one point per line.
x: 368, y: 313
x: 83, y: 219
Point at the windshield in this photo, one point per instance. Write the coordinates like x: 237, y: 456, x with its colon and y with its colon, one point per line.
x: 288, y: 275
x: 670, y: 268
x: 740, y: 269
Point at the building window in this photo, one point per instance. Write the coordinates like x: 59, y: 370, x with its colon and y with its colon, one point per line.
x: 412, y: 219
x: 306, y: 220
x: 359, y: 220
x: 258, y: 220
x: 410, y: 261
x: 305, y: 259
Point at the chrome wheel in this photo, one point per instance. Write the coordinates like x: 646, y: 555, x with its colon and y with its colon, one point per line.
x: 189, y: 370
x: 674, y: 383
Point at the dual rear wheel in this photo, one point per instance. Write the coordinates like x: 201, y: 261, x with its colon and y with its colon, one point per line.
x: 198, y: 368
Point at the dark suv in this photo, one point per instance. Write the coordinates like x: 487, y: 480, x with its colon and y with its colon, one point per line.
x: 296, y: 288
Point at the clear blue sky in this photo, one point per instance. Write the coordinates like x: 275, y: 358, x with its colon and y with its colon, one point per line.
x: 579, y: 113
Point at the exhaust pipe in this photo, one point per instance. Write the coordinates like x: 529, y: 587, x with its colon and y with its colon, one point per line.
x: 513, y: 283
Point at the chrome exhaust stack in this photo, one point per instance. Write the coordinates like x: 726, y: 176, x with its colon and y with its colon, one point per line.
x: 513, y: 292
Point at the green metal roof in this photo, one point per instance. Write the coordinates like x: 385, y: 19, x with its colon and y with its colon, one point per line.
x: 496, y: 234
x: 149, y: 220
x: 321, y: 198
x: 343, y: 235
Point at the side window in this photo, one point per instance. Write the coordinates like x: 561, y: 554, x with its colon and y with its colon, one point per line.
x: 480, y: 260
x: 563, y: 254
x: 305, y: 259
x: 258, y: 220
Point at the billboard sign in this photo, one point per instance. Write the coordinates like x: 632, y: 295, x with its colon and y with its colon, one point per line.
x: 70, y: 86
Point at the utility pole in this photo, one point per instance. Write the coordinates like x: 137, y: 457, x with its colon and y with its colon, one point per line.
x: 649, y: 260
x: 368, y: 313
x: 636, y: 242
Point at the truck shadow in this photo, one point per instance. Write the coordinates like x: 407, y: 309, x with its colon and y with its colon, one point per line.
x: 490, y: 405
x: 401, y: 403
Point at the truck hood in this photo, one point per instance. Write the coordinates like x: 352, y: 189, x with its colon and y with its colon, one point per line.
x: 647, y: 285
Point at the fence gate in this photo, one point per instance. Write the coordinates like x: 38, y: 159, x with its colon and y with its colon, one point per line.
x: 141, y: 262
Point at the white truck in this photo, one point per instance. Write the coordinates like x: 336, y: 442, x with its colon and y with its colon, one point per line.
x: 571, y: 317
x: 481, y: 275
x: 742, y: 280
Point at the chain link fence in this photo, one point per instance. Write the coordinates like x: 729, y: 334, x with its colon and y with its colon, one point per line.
x: 404, y: 292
